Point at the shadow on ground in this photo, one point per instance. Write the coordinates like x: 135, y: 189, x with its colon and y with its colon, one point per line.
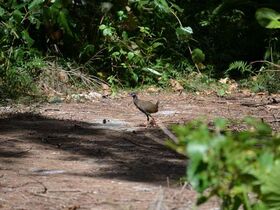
x: 127, y: 155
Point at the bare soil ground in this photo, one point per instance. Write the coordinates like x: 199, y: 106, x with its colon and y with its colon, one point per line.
x: 97, y: 155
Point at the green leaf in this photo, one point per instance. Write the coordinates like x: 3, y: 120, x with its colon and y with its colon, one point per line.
x: 18, y: 15
x: 107, y: 32
x: 87, y: 50
x: 124, y: 35
x: 57, y: 4
x: 35, y: 21
x: 35, y: 4
x: 2, y: 11
x: 268, y: 18
x: 197, y: 149
x: 266, y: 161
x: 156, y: 44
x: 27, y: 38
x: 102, y: 27
x: 260, y: 206
x: 271, y: 189
x: 175, y: 6
x: 162, y: 5
x: 184, y: 33
x: 221, y: 92
x: 262, y: 128
x: 130, y: 55
x: 134, y: 76
x: 220, y: 123
x: 239, y: 66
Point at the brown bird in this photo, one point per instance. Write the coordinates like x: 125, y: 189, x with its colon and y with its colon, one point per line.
x: 146, y: 107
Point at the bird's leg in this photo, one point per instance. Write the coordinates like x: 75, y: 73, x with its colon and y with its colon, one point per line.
x: 153, y: 122
x: 148, y: 118
x: 147, y: 121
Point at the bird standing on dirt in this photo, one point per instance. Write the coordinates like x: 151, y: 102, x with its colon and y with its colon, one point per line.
x: 146, y: 107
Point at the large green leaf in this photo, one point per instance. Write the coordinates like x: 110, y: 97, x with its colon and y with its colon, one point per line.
x: 184, y: 33
x: 268, y: 18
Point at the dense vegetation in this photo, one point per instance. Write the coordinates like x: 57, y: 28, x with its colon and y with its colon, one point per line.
x: 135, y: 42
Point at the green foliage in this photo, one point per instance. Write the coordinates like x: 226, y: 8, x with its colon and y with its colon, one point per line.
x: 268, y: 18
x: 196, y: 82
x: 21, y: 25
x: 17, y: 58
x: 133, y: 43
x: 232, y: 165
x: 264, y: 81
x: 134, y: 52
x: 184, y: 33
x: 198, y: 56
x: 19, y: 78
x: 239, y: 67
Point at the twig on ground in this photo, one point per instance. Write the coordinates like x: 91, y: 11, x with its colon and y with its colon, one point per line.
x: 47, y: 196
x: 159, y: 204
x: 252, y: 104
x: 185, y: 186
x: 273, y: 121
x: 154, y: 138
x: 7, y: 138
x: 167, y: 132
x: 132, y: 142
x: 65, y: 191
x: 28, y: 183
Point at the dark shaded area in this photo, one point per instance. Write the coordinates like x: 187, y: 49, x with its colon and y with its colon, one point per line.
x: 129, y: 155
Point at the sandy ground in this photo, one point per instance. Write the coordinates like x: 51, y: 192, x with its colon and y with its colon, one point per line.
x: 98, y: 155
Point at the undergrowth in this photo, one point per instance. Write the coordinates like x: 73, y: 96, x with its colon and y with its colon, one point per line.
x: 135, y: 43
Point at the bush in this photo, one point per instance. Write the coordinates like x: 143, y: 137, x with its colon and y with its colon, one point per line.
x: 238, y: 167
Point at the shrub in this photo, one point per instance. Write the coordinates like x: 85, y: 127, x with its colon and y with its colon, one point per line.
x: 238, y: 167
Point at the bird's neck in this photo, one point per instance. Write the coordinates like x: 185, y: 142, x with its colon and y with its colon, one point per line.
x: 135, y: 100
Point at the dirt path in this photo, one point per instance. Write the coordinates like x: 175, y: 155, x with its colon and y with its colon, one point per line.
x: 97, y: 155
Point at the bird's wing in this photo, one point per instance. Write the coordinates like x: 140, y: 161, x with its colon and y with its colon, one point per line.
x: 139, y: 105
x: 147, y: 106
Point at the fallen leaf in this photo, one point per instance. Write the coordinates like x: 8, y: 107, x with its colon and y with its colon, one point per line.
x: 233, y: 86
x: 63, y: 76
x: 106, y: 90
x: 176, y: 86
x: 224, y: 80
x: 153, y: 89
